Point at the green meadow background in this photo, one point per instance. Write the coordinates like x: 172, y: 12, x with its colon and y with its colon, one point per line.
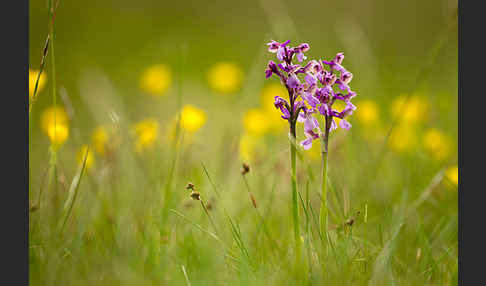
x: 126, y: 71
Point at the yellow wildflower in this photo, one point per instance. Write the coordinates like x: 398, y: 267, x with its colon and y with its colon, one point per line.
x: 57, y: 133
x: 413, y: 110
x: 99, y: 139
x: 314, y: 152
x: 402, y: 138
x: 156, y: 80
x: 47, y: 117
x: 367, y: 113
x: 267, y: 96
x: 225, y: 77
x: 192, y: 118
x: 82, y: 153
x: 247, y: 147
x: 33, y: 74
x: 436, y: 144
x: 256, y: 122
x: 452, y: 174
x: 146, y: 132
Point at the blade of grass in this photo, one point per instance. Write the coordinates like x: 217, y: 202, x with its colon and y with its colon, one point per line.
x: 261, y: 218
x: 185, y: 275
x: 213, y: 235
x: 74, y: 190
x: 234, y: 230
x: 41, y: 69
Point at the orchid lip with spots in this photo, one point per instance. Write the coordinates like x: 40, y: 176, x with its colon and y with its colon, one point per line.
x: 322, y: 82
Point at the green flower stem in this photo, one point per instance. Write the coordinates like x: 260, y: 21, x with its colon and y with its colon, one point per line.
x: 323, y: 214
x: 295, y: 208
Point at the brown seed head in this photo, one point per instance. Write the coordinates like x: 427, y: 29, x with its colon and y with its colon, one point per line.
x: 190, y: 186
x: 245, y: 169
x: 350, y: 222
x: 195, y: 195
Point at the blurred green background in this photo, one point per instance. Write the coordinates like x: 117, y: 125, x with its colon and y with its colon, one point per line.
x: 403, y: 55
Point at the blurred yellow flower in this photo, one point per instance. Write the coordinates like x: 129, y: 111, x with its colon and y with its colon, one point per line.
x: 192, y: 118
x: 156, y: 80
x: 403, y: 138
x: 452, y: 174
x: 225, y: 77
x: 414, y: 110
x: 247, y: 147
x: 57, y: 133
x: 267, y: 98
x: 33, y: 74
x: 436, y: 144
x: 256, y: 122
x: 47, y: 117
x: 367, y: 113
x: 99, y: 138
x: 82, y: 153
x: 314, y: 153
x: 146, y: 132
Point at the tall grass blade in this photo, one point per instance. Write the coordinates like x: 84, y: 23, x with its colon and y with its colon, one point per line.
x: 185, y: 275
x: 74, y: 190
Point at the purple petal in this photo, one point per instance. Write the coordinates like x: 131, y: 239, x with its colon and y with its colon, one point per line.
x: 293, y: 81
x: 343, y: 86
x: 304, y: 47
x: 333, y: 125
x: 279, y: 102
x: 273, y: 46
x: 301, y: 117
x: 344, y: 124
x: 338, y: 67
x: 348, y: 110
x: 306, y: 144
x: 324, y: 109
x: 346, y: 77
x: 331, y: 63
x: 329, y: 79
x: 286, y: 113
x: 301, y: 57
x: 339, y: 58
x: 311, y: 100
x: 310, y: 79
x: 299, y: 104
x: 313, y: 66
x: 309, y: 124
x: 280, y: 53
x: 271, y: 69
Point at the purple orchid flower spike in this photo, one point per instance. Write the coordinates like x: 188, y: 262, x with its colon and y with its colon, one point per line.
x: 313, y: 89
x: 289, y: 72
x: 318, y: 83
